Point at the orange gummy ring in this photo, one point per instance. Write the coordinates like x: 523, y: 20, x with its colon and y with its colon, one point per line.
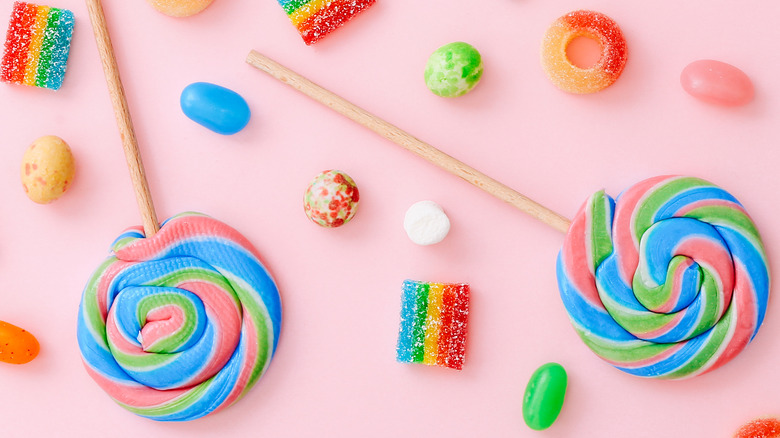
x: 604, y: 72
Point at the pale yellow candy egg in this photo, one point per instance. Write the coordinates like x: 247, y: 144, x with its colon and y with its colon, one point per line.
x: 47, y: 169
x: 179, y: 8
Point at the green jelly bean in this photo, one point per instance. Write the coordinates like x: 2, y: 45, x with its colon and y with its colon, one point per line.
x: 544, y: 395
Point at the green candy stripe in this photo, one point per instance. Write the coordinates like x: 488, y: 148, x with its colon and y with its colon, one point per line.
x: 419, y: 328
x: 600, y: 227
x: 47, y: 47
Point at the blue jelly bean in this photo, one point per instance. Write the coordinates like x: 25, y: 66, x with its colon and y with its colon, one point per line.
x: 217, y: 108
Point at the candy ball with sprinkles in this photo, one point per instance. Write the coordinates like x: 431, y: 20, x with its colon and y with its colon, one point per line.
x: 331, y: 199
x: 453, y: 70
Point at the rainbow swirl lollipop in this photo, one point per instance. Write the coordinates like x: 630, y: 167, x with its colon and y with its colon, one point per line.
x: 669, y: 281
x: 182, y: 324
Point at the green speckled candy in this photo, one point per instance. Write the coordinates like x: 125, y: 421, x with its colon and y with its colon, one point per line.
x: 453, y: 70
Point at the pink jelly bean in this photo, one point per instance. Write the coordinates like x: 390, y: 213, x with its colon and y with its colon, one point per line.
x: 717, y: 83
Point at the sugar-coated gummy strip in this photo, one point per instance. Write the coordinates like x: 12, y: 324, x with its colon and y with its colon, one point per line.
x: 668, y: 281
x: 37, y: 46
x: 433, y: 327
x: 315, y: 19
x: 181, y: 324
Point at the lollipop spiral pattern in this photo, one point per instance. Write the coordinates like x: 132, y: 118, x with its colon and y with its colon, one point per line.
x: 182, y: 324
x: 669, y: 281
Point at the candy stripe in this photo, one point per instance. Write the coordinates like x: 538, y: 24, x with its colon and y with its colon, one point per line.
x: 180, y: 325
x: 420, y: 315
x: 434, y: 324
x: 37, y: 45
x: 59, y: 52
x: 404, y: 346
x: 17, y: 42
x: 684, y: 288
x: 459, y: 328
x: 315, y: 19
x: 34, y: 50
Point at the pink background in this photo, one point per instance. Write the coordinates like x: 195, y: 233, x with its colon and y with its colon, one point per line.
x: 334, y: 373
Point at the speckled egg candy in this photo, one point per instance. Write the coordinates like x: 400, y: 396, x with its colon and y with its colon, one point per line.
x: 47, y: 169
x: 453, y: 70
x: 331, y: 199
x: 179, y: 8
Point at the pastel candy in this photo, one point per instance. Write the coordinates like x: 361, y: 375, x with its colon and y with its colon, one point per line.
x: 453, y: 69
x: 669, y: 281
x: 717, y: 83
x: 217, y: 108
x: 182, y: 324
x: 426, y: 223
x: 37, y: 46
x: 180, y: 8
x: 47, y: 169
x: 315, y: 19
x: 434, y: 324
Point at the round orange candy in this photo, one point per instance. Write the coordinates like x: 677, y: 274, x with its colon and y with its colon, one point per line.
x: 17, y: 345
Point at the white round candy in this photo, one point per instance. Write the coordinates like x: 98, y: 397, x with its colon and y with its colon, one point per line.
x: 426, y: 223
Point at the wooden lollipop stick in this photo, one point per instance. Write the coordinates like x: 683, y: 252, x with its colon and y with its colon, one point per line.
x: 408, y: 142
x: 117, y: 93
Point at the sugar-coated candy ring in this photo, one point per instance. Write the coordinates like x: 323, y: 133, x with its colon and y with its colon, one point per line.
x: 182, y: 324
x: 760, y: 428
x: 604, y: 72
x: 668, y: 281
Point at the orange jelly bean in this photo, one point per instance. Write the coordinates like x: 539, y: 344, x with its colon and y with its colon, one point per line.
x: 17, y: 345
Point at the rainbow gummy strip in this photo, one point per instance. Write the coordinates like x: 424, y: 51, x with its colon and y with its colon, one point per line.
x: 37, y: 45
x: 434, y: 323
x: 316, y: 18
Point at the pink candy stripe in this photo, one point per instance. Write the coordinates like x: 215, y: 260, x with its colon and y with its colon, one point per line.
x: 575, y: 249
x: 104, y: 283
x: 135, y: 394
x: 251, y: 345
x: 745, y: 314
x: 181, y: 229
x: 687, y: 208
x: 161, y: 323
x: 223, y: 313
x: 623, y: 232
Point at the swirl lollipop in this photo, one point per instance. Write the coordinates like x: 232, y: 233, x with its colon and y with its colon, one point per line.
x: 669, y: 282
x: 180, y: 321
